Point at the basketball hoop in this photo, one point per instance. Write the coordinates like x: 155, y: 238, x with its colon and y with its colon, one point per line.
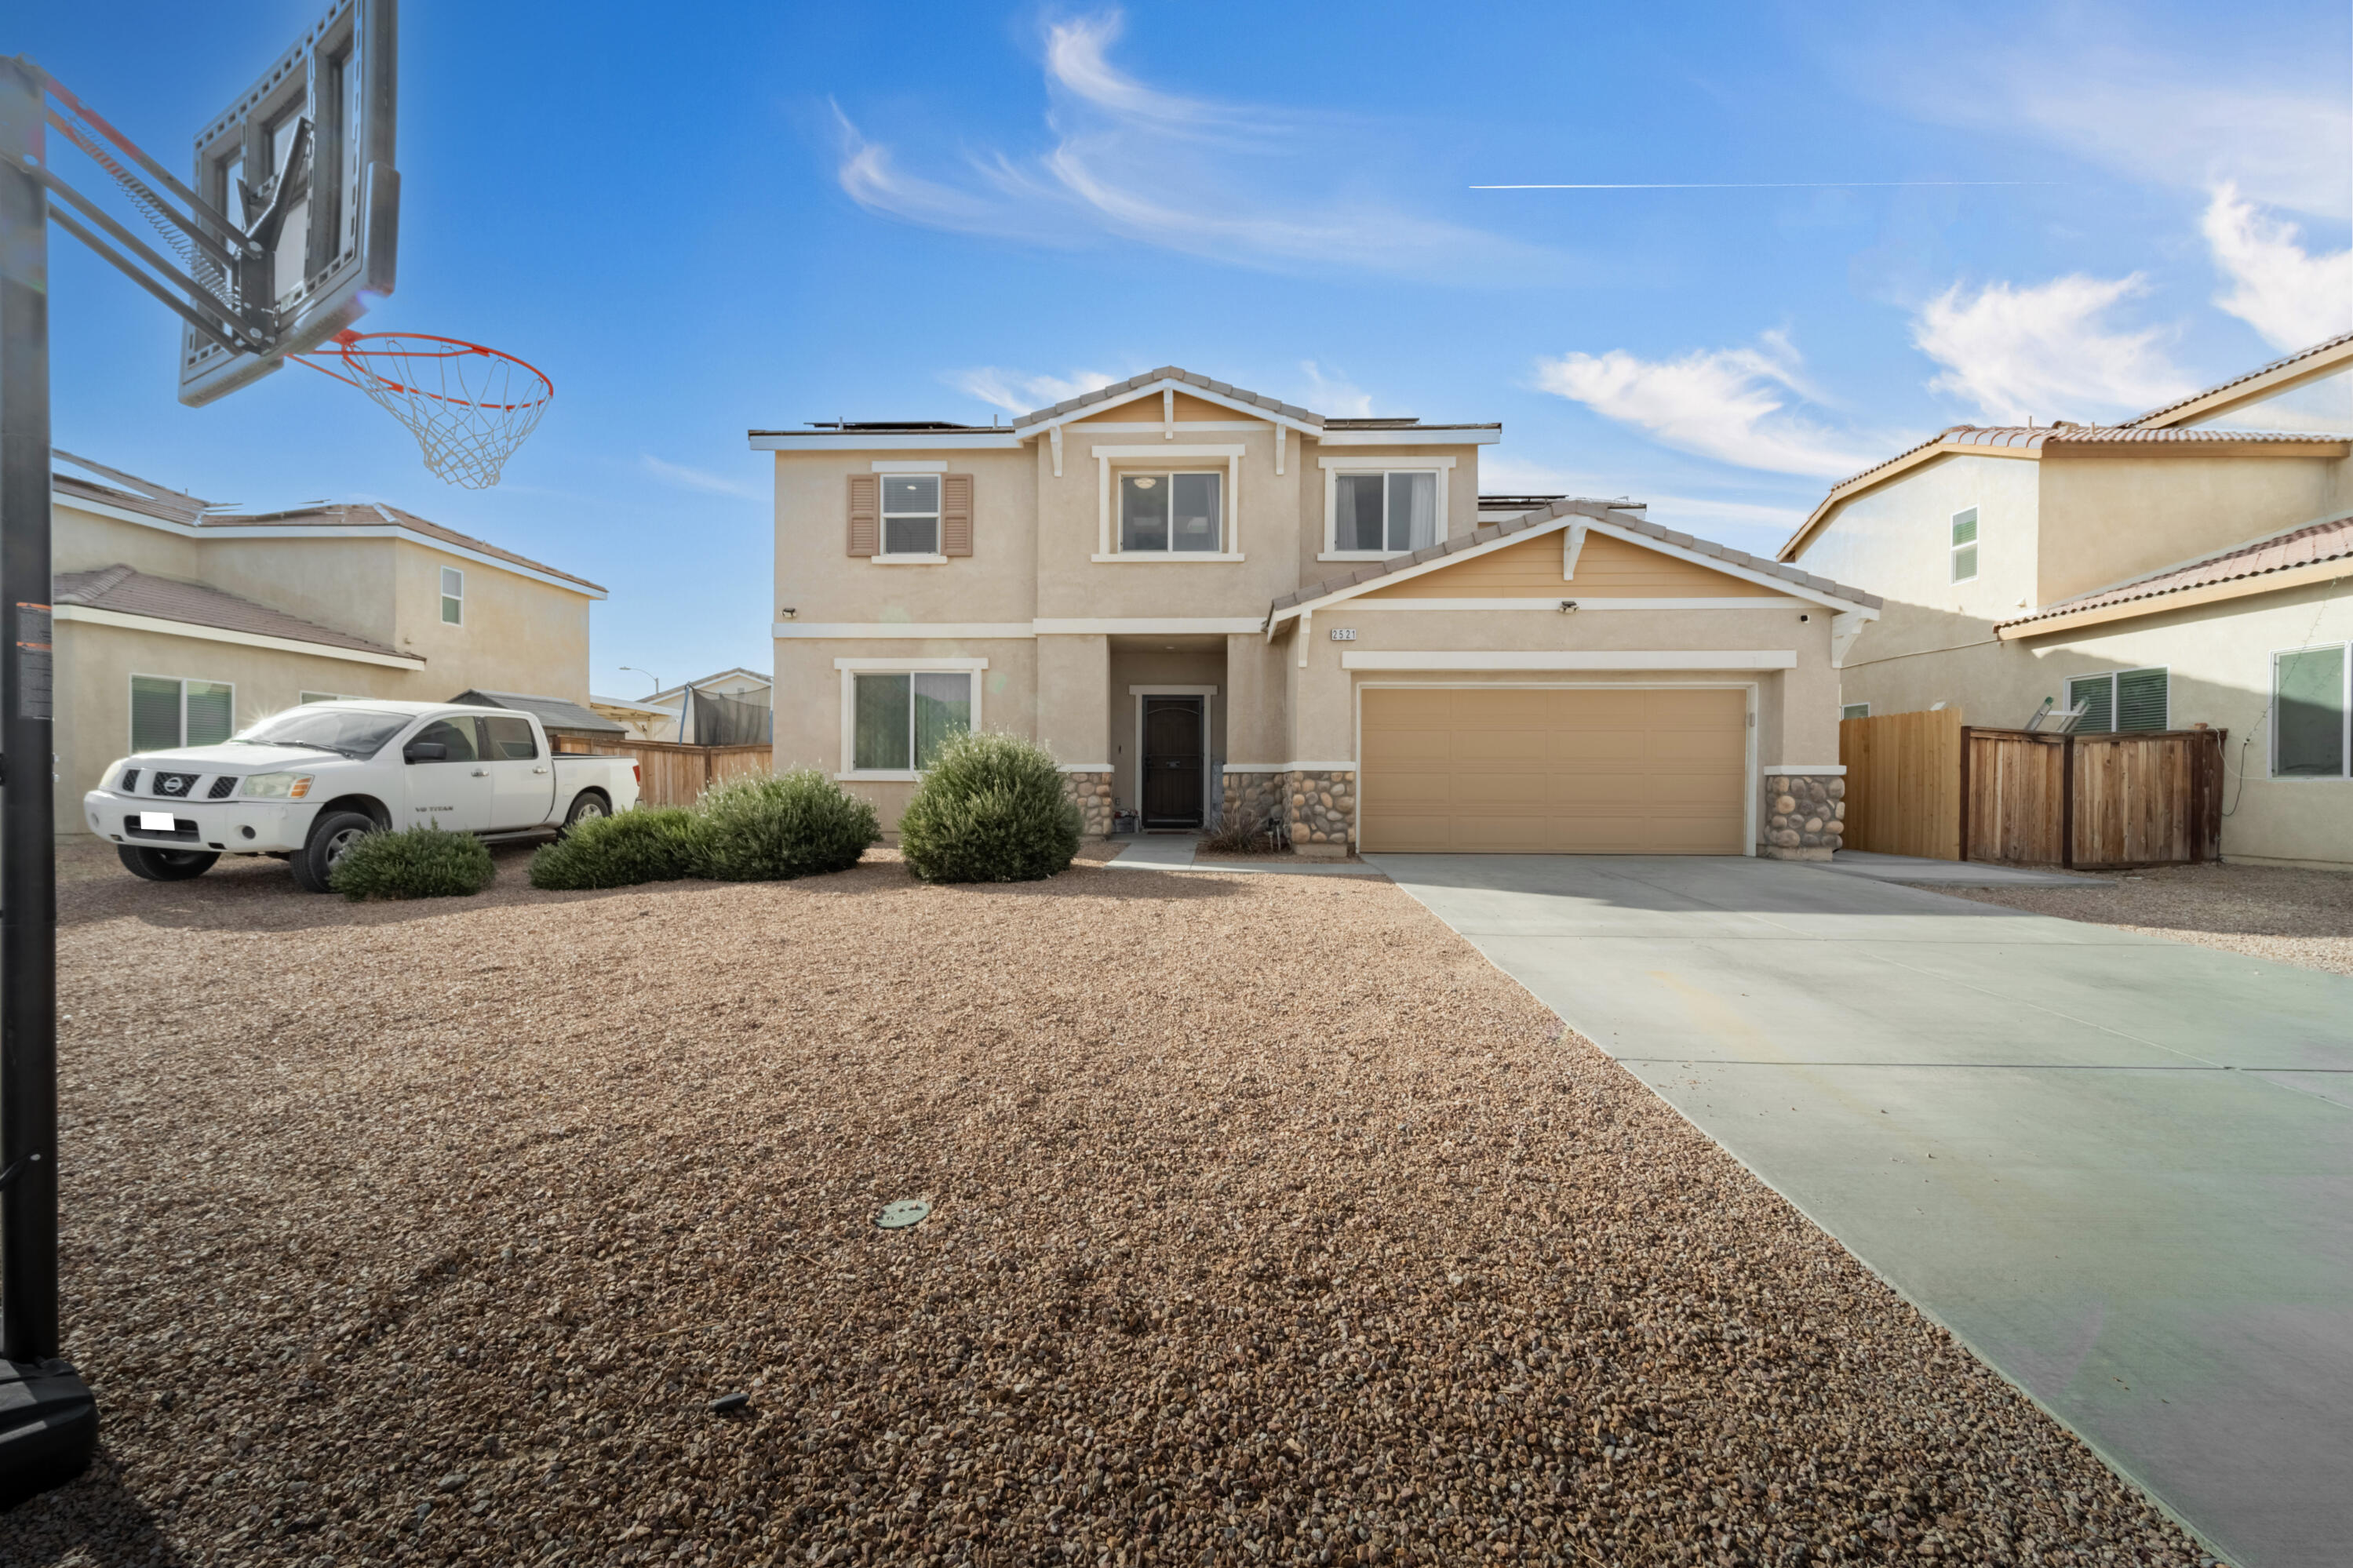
x: 468, y: 406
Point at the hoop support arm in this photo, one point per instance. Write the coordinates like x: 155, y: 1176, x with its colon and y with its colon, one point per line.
x: 186, y: 312
x: 202, y: 209
x: 204, y: 297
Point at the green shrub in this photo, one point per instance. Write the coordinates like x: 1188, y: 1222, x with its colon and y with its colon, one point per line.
x: 991, y: 808
x: 422, y: 862
x: 792, y: 824
x: 651, y: 844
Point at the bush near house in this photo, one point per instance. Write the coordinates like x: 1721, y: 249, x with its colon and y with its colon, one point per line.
x: 771, y: 829
x: 651, y: 844
x: 991, y: 808
x: 422, y: 862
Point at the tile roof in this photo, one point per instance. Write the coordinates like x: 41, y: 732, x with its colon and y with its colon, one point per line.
x: 121, y: 589
x: 142, y: 495
x: 2310, y: 545
x: 1567, y: 507
x: 554, y: 712
x: 376, y: 515
x: 2339, y: 342
x: 1166, y: 373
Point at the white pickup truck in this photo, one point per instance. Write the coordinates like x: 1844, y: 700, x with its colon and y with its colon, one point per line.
x: 304, y: 784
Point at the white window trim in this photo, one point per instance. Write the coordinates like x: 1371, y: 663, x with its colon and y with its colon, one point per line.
x: 1163, y: 459
x: 129, y: 715
x: 880, y: 467
x: 1384, y: 464
x: 847, y: 669
x: 2345, y: 737
x: 1953, y: 551
x: 1844, y: 713
x: 938, y: 515
x: 442, y: 603
x: 1212, y: 802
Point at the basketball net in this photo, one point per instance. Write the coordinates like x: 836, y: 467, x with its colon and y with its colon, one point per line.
x: 468, y: 406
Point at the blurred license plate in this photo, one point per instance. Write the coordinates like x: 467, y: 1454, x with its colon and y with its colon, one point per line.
x: 157, y: 822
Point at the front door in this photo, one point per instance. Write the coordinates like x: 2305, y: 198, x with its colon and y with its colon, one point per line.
x: 1176, y: 749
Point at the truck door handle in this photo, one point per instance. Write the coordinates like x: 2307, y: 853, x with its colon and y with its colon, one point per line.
x: 482, y: 773
x: 539, y: 770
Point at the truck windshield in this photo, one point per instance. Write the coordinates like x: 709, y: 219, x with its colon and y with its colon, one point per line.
x: 347, y: 732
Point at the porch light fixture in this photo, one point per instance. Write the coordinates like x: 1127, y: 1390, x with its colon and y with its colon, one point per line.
x: 1568, y: 606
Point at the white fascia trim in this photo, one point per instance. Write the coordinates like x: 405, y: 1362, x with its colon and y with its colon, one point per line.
x: 1190, y: 426
x: 902, y: 631
x: 1384, y: 460
x: 902, y: 441
x: 131, y: 623
x: 1827, y: 770
x: 391, y: 530
x: 1143, y: 625
x: 909, y: 664
x: 1172, y: 692
x: 1391, y: 579
x: 1235, y: 450
x: 911, y: 466
x: 1581, y: 658
x: 1553, y: 605
x: 1347, y: 766
x: 1730, y: 569
x: 120, y: 514
x: 1410, y: 438
x: 1182, y: 388
x: 1082, y: 767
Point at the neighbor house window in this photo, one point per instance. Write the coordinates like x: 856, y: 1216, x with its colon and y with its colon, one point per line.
x: 324, y: 697
x: 453, y: 597
x: 2127, y: 700
x: 2309, y: 704
x: 1855, y: 710
x: 168, y: 712
x: 1387, y: 513
x: 911, y: 514
x: 1166, y: 513
x: 1965, y: 545
x: 901, y: 718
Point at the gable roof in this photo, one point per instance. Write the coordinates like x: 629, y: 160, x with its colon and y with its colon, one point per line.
x: 554, y: 712
x: 2313, y: 544
x: 375, y: 514
x: 142, y: 495
x: 127, y: 592
x: 2031, y: 441
x: 1564, y: 513
x: 2317, y: 360
x: 1121, y: 390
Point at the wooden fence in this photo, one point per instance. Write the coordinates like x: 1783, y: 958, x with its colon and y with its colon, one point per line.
x: 672, y: 775
x: 1927, y: 785
x: 1904, y: 783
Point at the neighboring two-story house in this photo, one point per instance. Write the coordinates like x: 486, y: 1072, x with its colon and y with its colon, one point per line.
x: 1208, y: 602
x: 2192, y: 566
x: 177, y: 622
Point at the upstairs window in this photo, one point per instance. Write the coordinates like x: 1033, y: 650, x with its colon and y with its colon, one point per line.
x: 2309, y: 704
x: 453, y: 597
x: 911, y: 514
x: 1170, y: 513
x: 1387, y: 513
x: 1965, y: 545
x: 2120, y: 703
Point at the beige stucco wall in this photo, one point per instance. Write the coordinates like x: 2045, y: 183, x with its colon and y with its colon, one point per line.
x: 83, y: 539
x: 2109, y: 520
x: 2218, y: 657
x: 816, y: 576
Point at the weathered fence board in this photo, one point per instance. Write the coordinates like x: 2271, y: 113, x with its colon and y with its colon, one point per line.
x: 1902, y: 783
x: 2016, y: 790
x: 673, y: 774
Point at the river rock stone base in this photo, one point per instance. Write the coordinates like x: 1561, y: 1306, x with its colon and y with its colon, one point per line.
x: 1090, y: 793
x: 1321, y: 805
x: 1253, y: 798
x: 1805, y: 816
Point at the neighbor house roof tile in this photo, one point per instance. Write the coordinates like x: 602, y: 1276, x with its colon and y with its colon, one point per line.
x: 2332, y: 344
x: 131, y: 593
x: 2310, y: 545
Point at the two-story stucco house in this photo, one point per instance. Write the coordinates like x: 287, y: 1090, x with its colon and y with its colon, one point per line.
x: 2192, y: 566
x: 1204, y: 601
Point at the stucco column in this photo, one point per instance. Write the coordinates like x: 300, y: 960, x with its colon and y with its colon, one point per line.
x: 1074, y: 700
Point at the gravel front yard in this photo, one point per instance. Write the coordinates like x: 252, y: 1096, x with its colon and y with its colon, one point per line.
x: 1271, y: 1225
x: 2279, y: 913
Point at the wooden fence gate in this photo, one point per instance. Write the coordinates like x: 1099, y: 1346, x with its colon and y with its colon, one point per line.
x: 672, y: 775
x: 1904, y: 783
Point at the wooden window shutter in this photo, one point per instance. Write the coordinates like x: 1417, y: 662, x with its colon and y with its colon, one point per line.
x: 865, y: 514
x: 955, y: 514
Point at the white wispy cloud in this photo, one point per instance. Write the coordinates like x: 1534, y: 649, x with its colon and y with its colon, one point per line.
x: 1019, y: 392
x: 2046, y: 350
x: 1228, y: 182
x: 1332, y: 394
x: 677, y: 475
x: 2293, y: 298
x: 1731, y: 404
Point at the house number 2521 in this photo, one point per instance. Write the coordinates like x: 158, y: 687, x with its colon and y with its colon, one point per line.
x: 1343, y: 633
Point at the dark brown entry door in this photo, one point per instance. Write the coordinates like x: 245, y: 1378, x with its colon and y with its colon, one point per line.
x: 1174, y: 751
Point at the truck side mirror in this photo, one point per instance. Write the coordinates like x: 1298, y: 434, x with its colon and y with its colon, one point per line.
x: 425, y: 752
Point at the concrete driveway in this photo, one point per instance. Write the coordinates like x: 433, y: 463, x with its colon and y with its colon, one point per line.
x: 2120, y: 1168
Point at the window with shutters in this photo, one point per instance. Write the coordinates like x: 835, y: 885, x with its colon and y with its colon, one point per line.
x: 2311, y: 702
x: 1172, y: 513
x: 168, y: 712
x: 1965, y: 545
x: 2124, y: 702
x: 911, y: 514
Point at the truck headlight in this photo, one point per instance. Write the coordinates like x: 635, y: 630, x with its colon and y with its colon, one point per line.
x: 276, y: 786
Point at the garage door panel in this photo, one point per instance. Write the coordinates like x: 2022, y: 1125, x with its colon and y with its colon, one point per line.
x: 1554, y: 770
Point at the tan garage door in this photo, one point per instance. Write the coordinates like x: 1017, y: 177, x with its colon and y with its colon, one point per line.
x: 1589, y: 772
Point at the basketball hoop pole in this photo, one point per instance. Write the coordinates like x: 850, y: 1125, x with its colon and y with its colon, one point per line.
x: 49, y: 1422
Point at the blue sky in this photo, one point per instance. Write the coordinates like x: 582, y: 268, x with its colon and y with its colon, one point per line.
x: 701, y: 219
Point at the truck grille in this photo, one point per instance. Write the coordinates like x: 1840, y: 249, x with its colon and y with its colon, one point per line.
x: 223, y: 787
x: 130, y: 780
x: 179, y: 786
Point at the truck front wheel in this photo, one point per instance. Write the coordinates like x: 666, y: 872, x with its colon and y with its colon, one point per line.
x: 331, y: 835
x: 165, y: 865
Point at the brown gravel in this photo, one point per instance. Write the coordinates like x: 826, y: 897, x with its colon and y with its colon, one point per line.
x: 2279, y: 913
x: 428, y: 1233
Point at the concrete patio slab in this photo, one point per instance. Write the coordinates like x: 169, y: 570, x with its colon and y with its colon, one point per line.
x: 2120, y: 1168
x: 1948, y: 873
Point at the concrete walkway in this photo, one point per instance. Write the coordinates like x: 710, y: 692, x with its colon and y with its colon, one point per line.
x: 1175, y: 851
x: 1948, y: 873
x: 2120, y: 1168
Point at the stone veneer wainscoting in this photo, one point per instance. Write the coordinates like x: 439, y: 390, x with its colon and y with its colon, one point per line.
x: 1090, y: 793
x: 1805, y: 816
x: 1252, y: 797
x: 1323, y: 810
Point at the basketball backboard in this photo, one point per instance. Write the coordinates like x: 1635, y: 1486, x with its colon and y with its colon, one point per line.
x: 303, y: 160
